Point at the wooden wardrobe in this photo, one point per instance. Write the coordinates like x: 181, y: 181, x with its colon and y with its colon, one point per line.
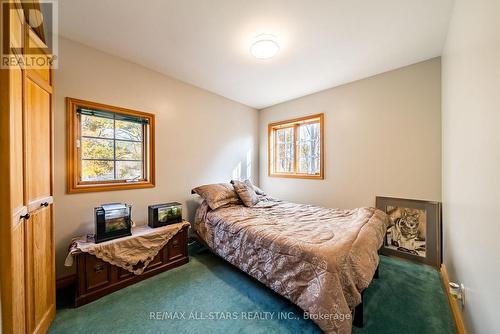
x: 27, y: 266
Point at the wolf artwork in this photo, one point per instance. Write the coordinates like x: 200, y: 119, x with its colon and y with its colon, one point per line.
x: 407, y: 231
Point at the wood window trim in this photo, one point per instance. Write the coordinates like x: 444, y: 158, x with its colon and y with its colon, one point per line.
x: 271, y: 154
x: 74, y: 185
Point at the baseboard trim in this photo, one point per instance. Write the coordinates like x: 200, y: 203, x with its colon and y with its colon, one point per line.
x: 457, y: 315
x: 65, y: 281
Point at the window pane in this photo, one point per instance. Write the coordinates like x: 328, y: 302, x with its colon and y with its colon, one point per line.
x: 309, y: 148
x: 97, y: 170
x: 128, y: 130
x: 97, y: 126
x: 285, y: 150
x: 126, y: 150
x: 97, y: 148
x: 285, y: 158
x: 284, y: 135
x: 128, y: 170
x: 295, y: 147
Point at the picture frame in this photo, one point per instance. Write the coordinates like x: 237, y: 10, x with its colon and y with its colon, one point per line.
x: 415, y: 230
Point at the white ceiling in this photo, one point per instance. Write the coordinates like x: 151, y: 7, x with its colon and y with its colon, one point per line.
x: 324, y: 43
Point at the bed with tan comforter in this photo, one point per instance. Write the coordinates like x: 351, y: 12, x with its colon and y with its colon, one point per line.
x: 320, y: 259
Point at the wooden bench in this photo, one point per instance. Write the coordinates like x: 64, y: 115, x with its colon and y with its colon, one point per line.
x: 96, y: 278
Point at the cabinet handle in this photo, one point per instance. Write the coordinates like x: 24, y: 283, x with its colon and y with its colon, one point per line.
x: 45, y: 204
x: 98, y: 267
x: 26, y: 216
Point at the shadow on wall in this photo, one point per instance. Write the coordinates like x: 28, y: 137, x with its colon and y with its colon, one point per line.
x: 192, y: 205
x: 195, y: 201
x: 237, y: 175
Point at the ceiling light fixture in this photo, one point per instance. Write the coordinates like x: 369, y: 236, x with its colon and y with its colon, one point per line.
x: 264, y: 46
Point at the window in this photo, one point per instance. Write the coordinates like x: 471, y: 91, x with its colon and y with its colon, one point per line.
x: 109, y: 148
x: 295, y: 148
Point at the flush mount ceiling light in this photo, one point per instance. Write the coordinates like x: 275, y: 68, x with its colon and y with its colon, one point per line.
x: 264, y: 46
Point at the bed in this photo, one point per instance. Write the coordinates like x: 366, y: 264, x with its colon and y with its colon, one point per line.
x: 320, y: 259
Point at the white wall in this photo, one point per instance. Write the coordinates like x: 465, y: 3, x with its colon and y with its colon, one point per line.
x: 200, y: 137
x: 471, y: 159
x: 382, y: 137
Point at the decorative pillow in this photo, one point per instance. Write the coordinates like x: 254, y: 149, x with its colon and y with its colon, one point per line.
x: 257, y: 190
x: 246, y: 193
x: 217, y: 195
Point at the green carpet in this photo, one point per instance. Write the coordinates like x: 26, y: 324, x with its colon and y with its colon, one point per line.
x: 407, y: 298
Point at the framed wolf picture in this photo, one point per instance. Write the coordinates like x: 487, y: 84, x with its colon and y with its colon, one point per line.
x: 415, y: 229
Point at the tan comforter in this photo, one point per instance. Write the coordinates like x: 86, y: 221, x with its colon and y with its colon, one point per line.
x: 320, y: 259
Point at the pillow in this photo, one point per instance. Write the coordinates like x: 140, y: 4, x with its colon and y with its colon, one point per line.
x: 246, y: 193
x: 257, y: 190
x: 217, y: 195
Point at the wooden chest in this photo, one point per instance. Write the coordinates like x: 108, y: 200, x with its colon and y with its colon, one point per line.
x: 97, y: 278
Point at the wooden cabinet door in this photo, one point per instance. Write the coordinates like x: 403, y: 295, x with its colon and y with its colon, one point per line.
x: 27, y: 244
x: 38, y: 148
x: 40, y: 274
x: 18, y: 276
x: 17, y: 202
x: 39, y: 246
x: 12, y: 269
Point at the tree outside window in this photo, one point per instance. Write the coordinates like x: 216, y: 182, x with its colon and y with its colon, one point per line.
x: 110, y: 148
